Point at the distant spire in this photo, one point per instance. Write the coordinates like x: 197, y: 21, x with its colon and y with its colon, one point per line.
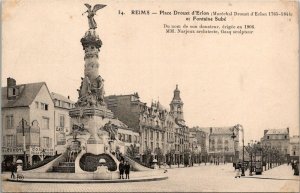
x: 176, y: 93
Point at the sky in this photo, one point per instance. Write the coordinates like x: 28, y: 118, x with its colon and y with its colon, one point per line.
x: 252, y: 80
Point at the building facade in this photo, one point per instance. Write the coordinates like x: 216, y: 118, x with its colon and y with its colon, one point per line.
x: 62, y: 122
x: 31, y: 112
x: 279, y: 139
x: 27, y: 112
x: 294, y: 147
x: 199, y: 143
x: 161, y: 132
x: 221, y: 146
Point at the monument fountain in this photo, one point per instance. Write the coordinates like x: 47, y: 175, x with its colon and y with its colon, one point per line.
x: 90, y: 148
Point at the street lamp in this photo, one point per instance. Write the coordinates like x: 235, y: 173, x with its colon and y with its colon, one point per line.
x: 24, y: 143
x: 239, y: 127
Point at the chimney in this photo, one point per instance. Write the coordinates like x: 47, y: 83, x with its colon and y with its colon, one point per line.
x: 265, y: 131
x: 11, y: 89
x: 11, y: 82
x: 288, y: 130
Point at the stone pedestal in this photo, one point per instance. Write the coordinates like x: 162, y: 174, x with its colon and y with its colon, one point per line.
x: 92, y: 119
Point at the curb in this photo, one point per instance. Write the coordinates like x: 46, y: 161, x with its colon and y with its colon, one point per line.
x: 89, y: 181
x: 266, y: 178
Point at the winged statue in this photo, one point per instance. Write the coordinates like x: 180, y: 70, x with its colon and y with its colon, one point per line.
x: 91, y: 13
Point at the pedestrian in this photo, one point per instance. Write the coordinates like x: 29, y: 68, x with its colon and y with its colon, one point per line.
x: 13, y: 169
x: 296, y: 168
x: 121, y: 169
x: 165, y: 167
x: 127, y: 169
x: 169, y: 164
x: 238, y: 173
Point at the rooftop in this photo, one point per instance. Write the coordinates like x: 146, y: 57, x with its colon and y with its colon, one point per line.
x: 60, y: 97
x: 25, y: 98
x: 217, y: 130
x: 277, y: 131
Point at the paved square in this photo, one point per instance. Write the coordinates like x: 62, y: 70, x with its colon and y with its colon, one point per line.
x: 209, y: 178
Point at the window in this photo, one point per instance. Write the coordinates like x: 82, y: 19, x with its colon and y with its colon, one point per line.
x: 285, y: 137
x: 44, y: 106
x: 157, y: 135
x: 268, y: 137
x: 46, y: 142
x: 61, y: 120
x: 36, y: 104
x: 129, y: 138
x: 45, y: 123
x: 9, y: 121
x: 10, y: 141
x: 151, y: 135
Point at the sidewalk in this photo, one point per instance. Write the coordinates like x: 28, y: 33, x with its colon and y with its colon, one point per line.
x: 282, y: 172
x: 195, y: 165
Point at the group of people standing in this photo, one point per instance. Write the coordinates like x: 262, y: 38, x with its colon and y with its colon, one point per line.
x: 124, y: 167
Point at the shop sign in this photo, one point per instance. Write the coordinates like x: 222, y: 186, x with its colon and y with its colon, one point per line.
x: 12, y: 150
x: 41, y: 151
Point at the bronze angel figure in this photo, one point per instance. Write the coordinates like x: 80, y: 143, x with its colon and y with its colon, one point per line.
x: 92, y: 13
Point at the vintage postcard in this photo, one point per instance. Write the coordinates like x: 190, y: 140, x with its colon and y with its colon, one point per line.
x: 150, y: 96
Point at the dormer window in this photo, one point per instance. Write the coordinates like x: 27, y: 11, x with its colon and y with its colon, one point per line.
x: 268, y: 137
x: 14, y: 91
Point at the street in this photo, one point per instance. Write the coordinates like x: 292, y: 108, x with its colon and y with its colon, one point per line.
x: 209, y: 178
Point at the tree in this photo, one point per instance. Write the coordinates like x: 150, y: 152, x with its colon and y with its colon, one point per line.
x: 159, y: 155
x: 186, y: 155
x: 147, y: 156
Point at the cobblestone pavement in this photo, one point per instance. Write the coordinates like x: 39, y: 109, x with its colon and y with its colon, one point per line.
x: 209, y: 178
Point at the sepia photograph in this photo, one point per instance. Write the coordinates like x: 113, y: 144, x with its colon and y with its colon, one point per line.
x: 150, y: 96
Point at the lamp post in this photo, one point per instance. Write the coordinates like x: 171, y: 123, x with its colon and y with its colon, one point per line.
x: 24, y: 143
x: 239, y: 127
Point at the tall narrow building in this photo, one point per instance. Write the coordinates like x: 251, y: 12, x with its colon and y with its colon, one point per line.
x: 182, y: 132
x: 176, y: 106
